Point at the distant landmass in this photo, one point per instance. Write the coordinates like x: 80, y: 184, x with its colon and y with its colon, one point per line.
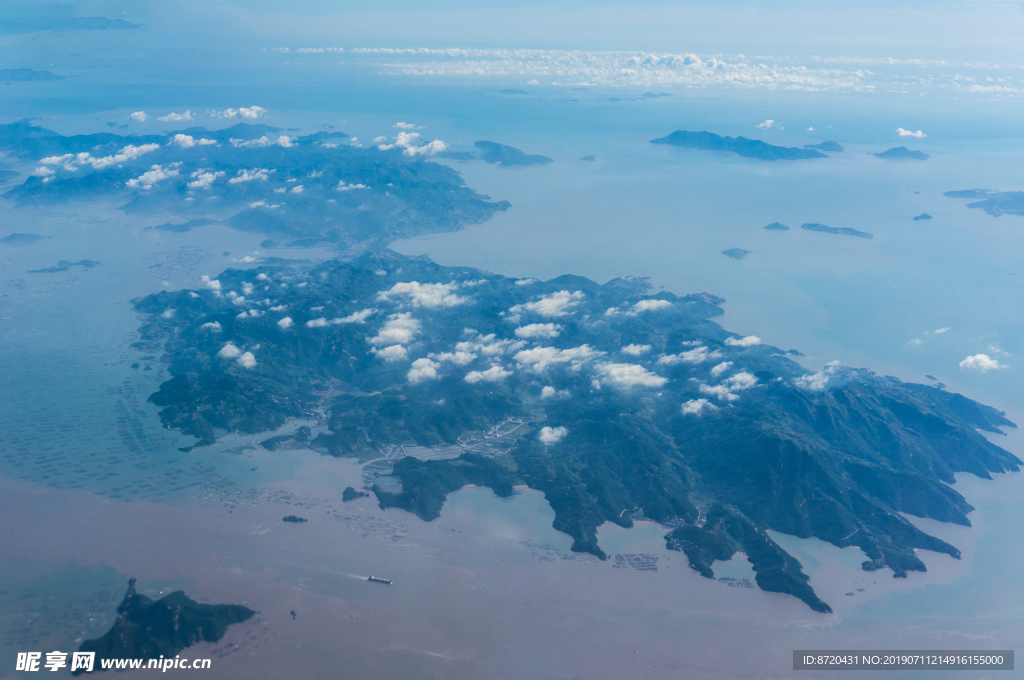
x: 736, y: 253
x: 23, y: 75
x: 589, y: 158
x: 148, y: 629
x: 294, y: 519
x: 439, y: 355
x: 64, y: 265
x: 831, y: 147
x: 922, y: 216
x: 512, y: 91
x: 995, y: 203
x: 748, y: 148
x: 48, y: 18
x: 777, y: 226
x: 846, y: 231
x: 652, y: 95
x: 350, y: 494
x: 185, y: 226
x: 492, y: 152
x: 902, y: 153
x: 7, y: 175
x: 21, y: 239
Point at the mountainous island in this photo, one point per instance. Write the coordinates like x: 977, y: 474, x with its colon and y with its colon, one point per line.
x: 902, y: 153
x: 776, y: 226
x: 25, y: 75
x: 736, y: 253
x: 922, y: 216
x: 748, y: 148
x: 625, y: 404
x: 995, y: 203
x: 831, y: 147
x: 500, y: 154
x: 845, y: 231
x: 308, y: 190
x: 147, y: 629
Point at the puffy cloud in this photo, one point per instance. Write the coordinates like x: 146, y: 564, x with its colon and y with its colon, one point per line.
x: 525, y: 282
x: 916, y: 342
x: 748, y: 341
x: 407, y: 142
x: 260, y: 204
x: 138, y: 116
x: 249, y: 113
x: 549, y: 392
x: 819, y: 380
x: 400, y: 329
x: 391, y: 353
x: 211, y: 326
x: 404, y: 126
x: 424, y: 294
x: 487, y: 345
x: 767, y: 124
x: 429, y: 149
x: 457, y: 358
x: 356, y: 317
x: 492, y: 374
x: 553, y: 305
x: 175, y: 117
x: 204, y: 179
x: 128, y: 153
x: 539, y: 330
x: 169, y: 313
x: 552, y: 435
x: 213, y: 284
x: 727, y: 391
x: 285, y: 323
x: 539, y: 359
x: 260, y: 174
x: 188, y: 141
x: 146, y: 180
x: 942, y: 330
x: 44, y: 172
x: 650, y: 305
x: 298, y: 189
x: 262, y: 142
x: 285, y: 141
x: 721, y: 368
x: 229, y: 351
x: 908, y: 133
x: 247, y: 360
x: 981, y: 363
x: 636, y: 350
x: 423, y: 369
x: 629, y: 375
x: 696, y: 407
x: 348, y: 187
x: 697, y: 355
x: 318, y: 323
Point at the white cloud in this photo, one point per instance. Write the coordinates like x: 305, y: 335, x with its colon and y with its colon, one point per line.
x: 169, y: 313
x: 629, y: 375
x: 425, y: 294
x: 539, y: 359
x: 285, y: 141
x: 400, y: 329
x: 298, y: 189
x: 229, y: 351
x: 423, y: 369
x: 204, y: 179
x: 548, y: 392
x: 636, y: 350
x: 553, y: 305
x: 128, y: 153
x: 247, y: 360
x: 262, y: 142
x: 907, y: 133
x: 260, y: 174
x: 810, y: 129
x: 138, y: 116
x: 429, y: 149
x: 818, y: 381
x: 457, y: 358
x: 695, y: 407
x: 552, y: 435
x: 260, y: 204
x: 249, y: 113
x: 213, y: 285
x: 727, y: 391
x: 348, y: 187
x: 407, y: 142
x: 211, y: 326
x: 488, y: 345
x: 697, y: 355
x: 539, y: 330
x: 44, y: 172
x: 188, y: 141
x: 155, y: 174
x: 650, y: 305
x: 285, y: 323
x: 404, y: 126
x: 748, y: 341
x: 981, y: 363
x: 356, y: 317
x: 767, y: 124
x: 492, y: 374
x: 174, y: 117
x: 391, y: 353
x: 916, y: 342
x: 318, y: 323
x: 942, y: 330
x: 721, y: 368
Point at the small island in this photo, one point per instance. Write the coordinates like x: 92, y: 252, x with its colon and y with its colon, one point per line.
x: 777, y: 226
x: 736, y: 253
x: 845, y: 231
x: 512, y: 91
x: 902, y: 153
x: 500, y: 154
x: 922, y: 216
x: 351, y: 494
x: 293, y: 519
x: 147, y: 629
x: 22, y: 239
x: 64, y: 265
x: 25, y: 75
x: 831, y: 147
x: 186, y: 226
x: 747, y: 148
